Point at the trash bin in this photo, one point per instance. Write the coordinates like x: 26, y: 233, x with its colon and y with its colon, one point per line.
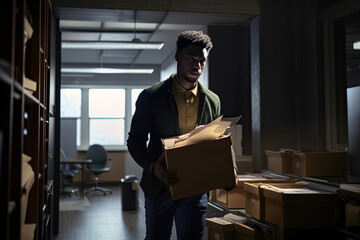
x: 129, y: 192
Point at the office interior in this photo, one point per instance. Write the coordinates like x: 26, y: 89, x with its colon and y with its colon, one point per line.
x: 289, y: 68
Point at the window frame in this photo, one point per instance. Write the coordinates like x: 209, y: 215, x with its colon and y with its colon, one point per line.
x: 85, y: 119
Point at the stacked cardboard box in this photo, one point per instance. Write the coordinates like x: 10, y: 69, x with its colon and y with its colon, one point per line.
x: 309, y: 163
x: 294, y: 205
x: 255, y: 200
x: 351, y: 196
x: 244, y: 164
x: 235, y: 198
x: 279, y: 161
x: 313, y: 163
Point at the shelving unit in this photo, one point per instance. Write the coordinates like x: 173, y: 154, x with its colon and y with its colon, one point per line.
x: 24, y: 122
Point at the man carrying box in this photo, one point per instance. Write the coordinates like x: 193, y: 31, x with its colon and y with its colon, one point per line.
x: 170, y: 108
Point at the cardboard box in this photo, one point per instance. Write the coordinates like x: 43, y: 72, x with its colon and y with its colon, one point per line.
x: 245, y: 232
x: 279, y: 161
x: 352, y: 214
x: 220, y: 229
x: 244, y: 164
x: 255, y: 201
x: 200, y: 167
x: 28, y: 231
x: 316, y: 164
x: 300, y: 208
x: 27, y: 181
x: 351, y: 196
x: 236, y: 197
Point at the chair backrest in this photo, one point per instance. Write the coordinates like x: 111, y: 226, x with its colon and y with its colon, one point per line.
x: 98, y: 155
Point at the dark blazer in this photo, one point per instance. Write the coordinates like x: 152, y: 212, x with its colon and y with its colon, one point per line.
x: 156, y: 114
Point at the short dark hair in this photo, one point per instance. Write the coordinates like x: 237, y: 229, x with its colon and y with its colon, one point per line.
x: 197, y: 38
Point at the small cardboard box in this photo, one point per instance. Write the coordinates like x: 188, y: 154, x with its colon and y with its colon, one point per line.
x: 200, y: 167
x: 279, y: 161
x: 220, y: 229
x: 255, y: 201
x: 236, y: 197
x: 300, y: 208
x: 316, y: 164
x: 244, y: 164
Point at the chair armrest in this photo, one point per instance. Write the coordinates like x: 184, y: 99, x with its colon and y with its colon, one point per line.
x: 109, y: 163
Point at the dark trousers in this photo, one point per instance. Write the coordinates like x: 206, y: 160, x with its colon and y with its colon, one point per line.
x: 189, y: 214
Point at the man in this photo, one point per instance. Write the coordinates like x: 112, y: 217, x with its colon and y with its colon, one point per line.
x: 170, y: 108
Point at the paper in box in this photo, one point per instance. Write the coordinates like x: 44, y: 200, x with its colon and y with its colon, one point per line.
x: 220, y: 229
x: 201, y: 159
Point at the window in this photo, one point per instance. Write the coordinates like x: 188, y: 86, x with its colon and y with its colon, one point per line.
x: 70, y: 102
x: 134, y: 95
x: 103, y: 114
x: 107, y: 116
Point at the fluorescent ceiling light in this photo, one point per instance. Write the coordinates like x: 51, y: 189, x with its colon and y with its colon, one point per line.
x: 107, y: 70
x: 356, y: 45
x: 109, y: 45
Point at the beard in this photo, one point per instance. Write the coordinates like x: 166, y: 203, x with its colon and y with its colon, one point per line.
x: 191, y: 78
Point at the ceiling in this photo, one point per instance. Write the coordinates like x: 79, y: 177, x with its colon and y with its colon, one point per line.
x: 161, y: 21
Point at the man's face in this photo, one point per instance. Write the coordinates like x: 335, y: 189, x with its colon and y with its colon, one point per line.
x: 191, y: 62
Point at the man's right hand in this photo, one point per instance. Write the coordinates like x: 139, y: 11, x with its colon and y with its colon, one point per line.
x: 161, y: 173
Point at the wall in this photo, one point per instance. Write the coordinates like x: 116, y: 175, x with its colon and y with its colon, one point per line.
x: 290, y: 89
x: 229, y: 74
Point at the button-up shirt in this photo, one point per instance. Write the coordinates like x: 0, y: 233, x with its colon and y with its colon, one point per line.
x: 187, y: 102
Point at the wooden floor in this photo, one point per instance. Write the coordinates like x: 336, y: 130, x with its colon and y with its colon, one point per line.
x: 104, y: 219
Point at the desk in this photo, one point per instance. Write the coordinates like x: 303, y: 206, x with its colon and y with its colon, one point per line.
x: 82, y: 162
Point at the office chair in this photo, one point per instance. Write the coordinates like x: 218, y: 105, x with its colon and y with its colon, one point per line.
x: 99, y: 159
